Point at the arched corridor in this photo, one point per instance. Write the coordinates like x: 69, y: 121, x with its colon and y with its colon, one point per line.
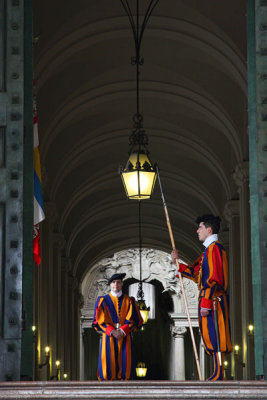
x: 193, y: 96
x: 203, y: 100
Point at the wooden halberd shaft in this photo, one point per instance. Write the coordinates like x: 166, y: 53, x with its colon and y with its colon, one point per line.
x: 180, y: 277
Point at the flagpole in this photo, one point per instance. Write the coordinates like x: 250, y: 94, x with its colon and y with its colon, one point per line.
x: 180, y: 277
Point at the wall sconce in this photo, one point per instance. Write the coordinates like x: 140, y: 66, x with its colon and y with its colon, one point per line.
x: 236, y: 350
x: 47, y: 353
x: 226, y: 368
x: 57, y: 376
x: 251, y: 330
x: 58, y: 369
x: 237, y: 357
x: 34, y: 331
x: 65, y: 376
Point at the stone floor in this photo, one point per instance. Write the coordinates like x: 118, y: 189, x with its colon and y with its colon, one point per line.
x: 141, y: 390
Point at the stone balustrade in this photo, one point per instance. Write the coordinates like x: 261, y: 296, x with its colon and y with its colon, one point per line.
x: 141, y: 390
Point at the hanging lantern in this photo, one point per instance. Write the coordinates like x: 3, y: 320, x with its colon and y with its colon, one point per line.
x: 144, y: 310
x: 138, y: 176
x: 141, y: 370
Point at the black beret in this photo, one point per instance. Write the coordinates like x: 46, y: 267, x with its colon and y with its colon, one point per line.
x: 115, y: 277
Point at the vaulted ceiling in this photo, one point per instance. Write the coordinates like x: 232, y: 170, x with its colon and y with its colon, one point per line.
x: 193, y: 97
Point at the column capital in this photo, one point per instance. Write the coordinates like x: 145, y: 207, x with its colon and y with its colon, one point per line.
x: 231, y: 209
x: 241, y: 174
x: 178, y: 331
x: 86, y: 321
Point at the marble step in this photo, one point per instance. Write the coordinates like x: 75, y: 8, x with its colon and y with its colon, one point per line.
x: 141, y: 390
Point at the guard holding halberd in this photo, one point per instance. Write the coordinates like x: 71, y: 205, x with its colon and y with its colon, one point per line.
x: 210, y: 272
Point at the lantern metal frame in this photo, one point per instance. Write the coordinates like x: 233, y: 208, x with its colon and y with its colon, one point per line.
x: 138, y: 139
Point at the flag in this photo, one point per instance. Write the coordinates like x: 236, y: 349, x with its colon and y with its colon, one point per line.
x: 38, y: 206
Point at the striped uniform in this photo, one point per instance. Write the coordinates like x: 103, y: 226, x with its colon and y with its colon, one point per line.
x: 210, y: 271
x: 115, y: 355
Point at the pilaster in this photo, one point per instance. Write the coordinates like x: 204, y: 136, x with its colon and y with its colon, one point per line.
x: 177, y: 361
x: 232, y: 215
x: 56, y: 340
x: 66, y: 266
x: 45, y: 312
x: 241, y: 177
x: 257, y: 94
x: 74, y: 328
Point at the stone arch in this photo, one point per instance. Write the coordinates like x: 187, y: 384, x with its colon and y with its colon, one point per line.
x: 156, y: 265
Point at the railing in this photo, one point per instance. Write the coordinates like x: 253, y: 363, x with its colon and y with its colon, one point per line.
x: 141, y: 390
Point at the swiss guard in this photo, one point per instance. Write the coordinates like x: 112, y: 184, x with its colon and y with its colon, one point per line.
x: 116, y: 317
x: 210, y: 272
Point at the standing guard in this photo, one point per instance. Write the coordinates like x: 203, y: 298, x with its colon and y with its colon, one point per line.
x: 116, y: 317
x: 210, y: 272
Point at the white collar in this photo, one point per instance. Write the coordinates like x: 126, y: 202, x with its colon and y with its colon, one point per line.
x: 210, y: 239
x: 116, y: 294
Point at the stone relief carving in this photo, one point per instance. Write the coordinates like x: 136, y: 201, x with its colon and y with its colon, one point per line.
x: 191, y: 292
x: 156, y: 265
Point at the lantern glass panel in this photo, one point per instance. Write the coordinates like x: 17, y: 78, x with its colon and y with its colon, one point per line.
x: 139, y: 184
x: 141, y: 370
x: 145, y: 315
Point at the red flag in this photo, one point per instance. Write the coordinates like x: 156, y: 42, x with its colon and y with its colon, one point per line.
x: 36, y: 244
